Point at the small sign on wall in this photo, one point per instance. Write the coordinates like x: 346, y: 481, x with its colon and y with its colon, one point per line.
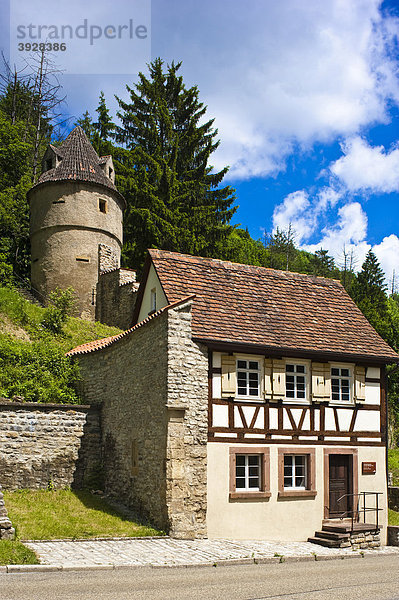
x: 369, y: 468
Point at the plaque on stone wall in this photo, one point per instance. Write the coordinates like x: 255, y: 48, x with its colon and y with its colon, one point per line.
x: 369, y: 468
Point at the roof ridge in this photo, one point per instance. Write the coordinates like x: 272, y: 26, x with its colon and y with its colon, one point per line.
x: 189, y: 258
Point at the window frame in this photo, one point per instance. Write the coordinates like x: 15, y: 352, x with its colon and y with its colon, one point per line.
x: 250, y: 358
x: 310, y: 491
x: 307, y: 364
x: 264, y: 488
x: 103, y: 205
x: 351, y: 368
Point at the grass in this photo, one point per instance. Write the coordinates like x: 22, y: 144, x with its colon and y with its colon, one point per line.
x: 46, y: 515
x: 15, y: 553
x: 393, y: 517
x: 393, y: 464
x: 29, y: 316
x: 33, y: 366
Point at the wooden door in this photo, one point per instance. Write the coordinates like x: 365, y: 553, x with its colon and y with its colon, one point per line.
x: 340, y: 480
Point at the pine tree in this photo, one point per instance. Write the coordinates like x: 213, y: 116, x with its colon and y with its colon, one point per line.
x: 173, y: 195
x: 369, y: 293
x: 370, y: 284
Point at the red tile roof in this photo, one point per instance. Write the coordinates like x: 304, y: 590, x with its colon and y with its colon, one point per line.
x: 243, y: 304
x: 105, y: 342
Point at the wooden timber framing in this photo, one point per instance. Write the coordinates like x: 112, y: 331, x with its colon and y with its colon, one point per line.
x: 239, y: 425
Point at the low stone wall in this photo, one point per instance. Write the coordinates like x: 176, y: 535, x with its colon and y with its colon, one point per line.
x: 48, y: 444
x: 393, y: 498
x: 7, y: 531
x: 365, y: 539
x: 393, y: 535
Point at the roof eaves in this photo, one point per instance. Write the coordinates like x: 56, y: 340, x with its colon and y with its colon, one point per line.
x: 224, y: 345
x: 106, y: 342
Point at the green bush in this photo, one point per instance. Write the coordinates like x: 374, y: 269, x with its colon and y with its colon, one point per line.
x: 61, y: 304
x: 37, y: 372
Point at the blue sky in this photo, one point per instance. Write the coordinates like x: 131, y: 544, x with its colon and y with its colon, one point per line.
x: 305, y: 96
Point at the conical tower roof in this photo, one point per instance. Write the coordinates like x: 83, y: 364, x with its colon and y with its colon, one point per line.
x: 78, y: 162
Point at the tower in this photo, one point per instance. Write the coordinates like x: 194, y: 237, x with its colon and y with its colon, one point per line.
x: 75, y: 221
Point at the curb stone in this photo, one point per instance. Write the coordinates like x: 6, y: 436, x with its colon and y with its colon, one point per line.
x: 220, y: 563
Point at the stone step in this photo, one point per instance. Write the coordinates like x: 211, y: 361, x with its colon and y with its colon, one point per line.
x: 332, y: 535
x: 347, y: 527
x: 325, y: 542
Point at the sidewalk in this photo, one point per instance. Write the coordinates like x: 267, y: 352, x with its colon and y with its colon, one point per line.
x: 167, y: 552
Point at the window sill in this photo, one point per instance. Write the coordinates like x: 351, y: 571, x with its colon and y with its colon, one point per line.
x: 249, y: 495
x: 297, y: 494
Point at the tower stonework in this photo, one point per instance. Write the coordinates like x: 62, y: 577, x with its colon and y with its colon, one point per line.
x: 75, y: 221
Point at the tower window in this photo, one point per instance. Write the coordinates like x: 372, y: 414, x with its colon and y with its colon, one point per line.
x: 85, y: 259
x: 49, y: 164
x: 102, y: 205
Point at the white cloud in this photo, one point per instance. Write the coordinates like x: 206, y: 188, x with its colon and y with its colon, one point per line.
x: 303, y: 212
x: 295, y: 210
x: 387, y: 253
x: 364, y: 167
x: 348, y: 232
x: 278, y: 73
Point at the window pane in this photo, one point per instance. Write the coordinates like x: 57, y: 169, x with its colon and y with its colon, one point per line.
x: 253, y: 460
x: 254, y: 483
x: 290, y: 368
x: 240, y: 482
x: 240, y: 471
x: 287, y: 460
x: 345, y: 372
x: 253, y: 365
x: 300, y: 368
x: 240, y: 459
x: 287, y: 481
x: 242, y: 364
x: 334, y: 371
x: 242, y: 391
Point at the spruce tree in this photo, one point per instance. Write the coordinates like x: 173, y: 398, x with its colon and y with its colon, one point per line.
x: 173, y: 195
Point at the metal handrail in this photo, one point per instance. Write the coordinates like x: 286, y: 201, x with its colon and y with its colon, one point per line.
x: 355, y: 513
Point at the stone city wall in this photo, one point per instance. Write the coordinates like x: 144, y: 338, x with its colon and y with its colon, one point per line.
x: 115, y: 298
x: 48, y: 444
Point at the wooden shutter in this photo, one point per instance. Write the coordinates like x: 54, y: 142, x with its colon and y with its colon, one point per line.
x: 268, y: 366
x: 228, y: 375
x: 360, y: 384
x: 321, y: 381
x: 278, y: 379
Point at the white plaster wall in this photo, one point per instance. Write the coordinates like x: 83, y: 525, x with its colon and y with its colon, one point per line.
x: 152, y: 282
x: 274, y: 519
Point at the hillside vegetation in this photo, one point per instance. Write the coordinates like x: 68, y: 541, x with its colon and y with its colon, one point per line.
x: 33, y: 342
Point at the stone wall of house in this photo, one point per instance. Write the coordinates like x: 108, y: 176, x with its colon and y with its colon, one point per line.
x: 115, y: 298
x: 152, y: 386
x: 393, y: 497
x: 187, y: 437
x: 42, y: 444
x: 129, y: 380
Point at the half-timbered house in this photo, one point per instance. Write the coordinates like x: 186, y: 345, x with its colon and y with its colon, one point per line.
x: 244, y: 402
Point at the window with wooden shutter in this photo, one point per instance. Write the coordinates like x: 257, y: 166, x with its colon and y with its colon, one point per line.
x: 228, y: 375
x: 278, y: 379
x: 321, y: 381
x: 268, y: 366
x: 360, y: 384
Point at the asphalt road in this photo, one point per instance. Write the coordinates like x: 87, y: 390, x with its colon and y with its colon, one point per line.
x: 375, y: 578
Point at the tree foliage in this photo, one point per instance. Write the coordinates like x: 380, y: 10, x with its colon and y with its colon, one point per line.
x: 174, y: 197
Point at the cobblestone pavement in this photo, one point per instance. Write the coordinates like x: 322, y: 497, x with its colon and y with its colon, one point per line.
x: 171, y: 552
